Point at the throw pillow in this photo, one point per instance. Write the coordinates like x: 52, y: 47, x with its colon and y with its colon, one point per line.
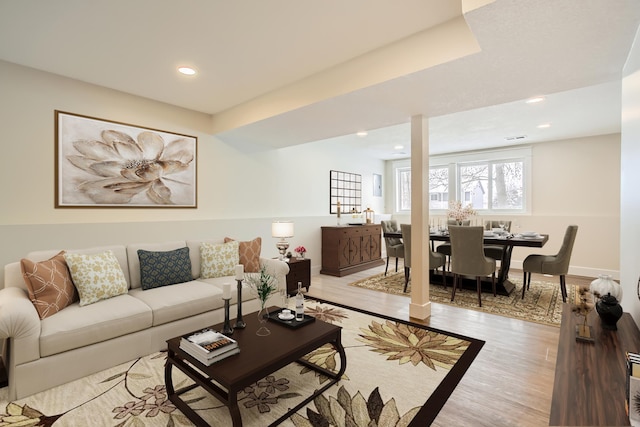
x: 49, y: 283
x: 218, y: 260
x: 164, y: 268
x: 96, y: 276
x: 249, y: 253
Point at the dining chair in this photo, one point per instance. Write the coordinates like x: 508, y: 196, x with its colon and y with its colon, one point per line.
x: 394, y: 245
x: 468, y: 259
x: 495, y: 251
x: 445, y: 248
x: 436, y: 260
x: 556, y: 265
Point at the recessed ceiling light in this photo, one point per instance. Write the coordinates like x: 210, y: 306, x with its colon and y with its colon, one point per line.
x: 187, y: 71
x: 398, y: 147
x: 544, y: 125
x: 535, y: 100
x: 362, y: 133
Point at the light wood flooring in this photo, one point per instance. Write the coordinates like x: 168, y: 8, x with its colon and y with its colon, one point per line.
x: 511, y: 381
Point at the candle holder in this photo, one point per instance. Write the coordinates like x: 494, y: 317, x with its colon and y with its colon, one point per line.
x: 240, y: 324
x: 226, y: 328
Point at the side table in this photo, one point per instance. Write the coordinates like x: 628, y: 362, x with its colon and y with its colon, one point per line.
x: 299, y: 271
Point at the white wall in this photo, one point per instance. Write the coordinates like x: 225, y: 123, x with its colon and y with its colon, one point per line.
x: 241, y: 189
x: 630, y: 180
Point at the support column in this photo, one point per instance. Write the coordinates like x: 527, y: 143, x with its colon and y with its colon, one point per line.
x: 420, y: 306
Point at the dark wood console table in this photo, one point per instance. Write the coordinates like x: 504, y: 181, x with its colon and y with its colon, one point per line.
x: 350, y: 248
x: 590, y: 381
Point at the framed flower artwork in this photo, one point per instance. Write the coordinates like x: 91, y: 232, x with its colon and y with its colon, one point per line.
x: 103, y: 163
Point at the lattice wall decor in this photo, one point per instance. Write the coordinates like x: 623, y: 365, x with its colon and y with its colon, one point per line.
x: 346, y: 188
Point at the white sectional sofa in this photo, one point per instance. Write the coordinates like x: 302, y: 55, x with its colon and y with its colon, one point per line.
x: 81, y: 340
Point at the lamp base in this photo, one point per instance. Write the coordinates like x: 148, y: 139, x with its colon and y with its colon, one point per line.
x: 282, y: 246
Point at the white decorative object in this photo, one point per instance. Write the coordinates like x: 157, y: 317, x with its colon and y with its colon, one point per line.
x: 239, y: 272
x: 604, y: 285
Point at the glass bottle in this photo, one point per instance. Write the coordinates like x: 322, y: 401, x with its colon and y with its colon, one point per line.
x: 299, y: 303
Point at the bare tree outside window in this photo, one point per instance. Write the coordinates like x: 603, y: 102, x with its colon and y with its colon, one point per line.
x: 404, y: 189
x: 508, y: 183
x: 439, y: 187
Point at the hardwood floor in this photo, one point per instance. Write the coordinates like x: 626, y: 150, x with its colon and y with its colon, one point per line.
x: 511, y: 381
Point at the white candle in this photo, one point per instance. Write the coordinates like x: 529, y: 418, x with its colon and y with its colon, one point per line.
x: 226, y: 291
x: 239, y: 272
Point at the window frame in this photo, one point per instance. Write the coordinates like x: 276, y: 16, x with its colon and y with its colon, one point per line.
x: 454, y: 160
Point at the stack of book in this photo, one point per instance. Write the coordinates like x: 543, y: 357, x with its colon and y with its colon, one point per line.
x: 208, y: 346
x: 633, y: 388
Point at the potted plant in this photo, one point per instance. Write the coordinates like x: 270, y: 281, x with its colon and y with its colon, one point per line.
x: 264, y: 285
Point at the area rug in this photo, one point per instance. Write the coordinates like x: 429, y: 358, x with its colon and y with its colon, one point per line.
x: 542, y: 302
x: 398, y: 374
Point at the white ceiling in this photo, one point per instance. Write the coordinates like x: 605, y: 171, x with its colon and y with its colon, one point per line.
x: 250, y: 54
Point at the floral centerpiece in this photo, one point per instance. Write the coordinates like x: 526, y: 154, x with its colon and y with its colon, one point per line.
x: 301, y: 250
x: 264, y: 285
x: 458, y: 212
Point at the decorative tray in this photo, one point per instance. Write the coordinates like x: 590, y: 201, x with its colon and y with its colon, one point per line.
x: 293, y: 323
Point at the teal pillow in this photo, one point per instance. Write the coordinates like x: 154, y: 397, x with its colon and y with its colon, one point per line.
x: 164, y: 268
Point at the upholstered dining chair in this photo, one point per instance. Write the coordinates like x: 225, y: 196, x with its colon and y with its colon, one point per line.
x: 445, y: 248
x: 556, y: 265
x: 394, y: 245
x: 436, y: 260
x: 467, y: 258
x: 495, y: 251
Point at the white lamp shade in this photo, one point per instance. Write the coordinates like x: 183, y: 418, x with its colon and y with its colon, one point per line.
x: 282, y: 229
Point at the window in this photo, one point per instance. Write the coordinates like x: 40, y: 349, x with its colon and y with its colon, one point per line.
x: 439, y: 187
x: 496, y: 186
x: 403, y: 189
x: 493, y: 181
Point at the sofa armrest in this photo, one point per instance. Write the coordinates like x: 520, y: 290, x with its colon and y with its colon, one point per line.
x: 19, y: 322
x: 278, y: 269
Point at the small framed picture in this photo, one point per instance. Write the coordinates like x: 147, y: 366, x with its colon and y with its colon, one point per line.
x: 377, y: 185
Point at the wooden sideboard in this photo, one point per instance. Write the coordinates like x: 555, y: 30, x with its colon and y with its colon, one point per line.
x: 590, y: 381
x: 350, y: 248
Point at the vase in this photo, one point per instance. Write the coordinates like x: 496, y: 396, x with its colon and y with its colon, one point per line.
x: 604, y: 285
x: 263, y: 316
x: 610, y: 311
x: 302, y: 255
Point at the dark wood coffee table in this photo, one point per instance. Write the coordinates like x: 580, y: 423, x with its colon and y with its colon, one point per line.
x: 258, y: 357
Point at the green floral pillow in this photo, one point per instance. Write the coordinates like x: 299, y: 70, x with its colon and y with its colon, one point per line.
x: 96, y: 276
x: 218, y: 260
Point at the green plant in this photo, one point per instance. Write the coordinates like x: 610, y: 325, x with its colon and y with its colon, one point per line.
x: 263, y: 284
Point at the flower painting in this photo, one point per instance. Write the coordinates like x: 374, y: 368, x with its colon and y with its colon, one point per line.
x: 109, y: 164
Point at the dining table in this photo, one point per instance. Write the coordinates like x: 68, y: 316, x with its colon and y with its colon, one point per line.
x: 503, y: 285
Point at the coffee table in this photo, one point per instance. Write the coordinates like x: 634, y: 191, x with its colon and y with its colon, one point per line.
x: 258, y: 357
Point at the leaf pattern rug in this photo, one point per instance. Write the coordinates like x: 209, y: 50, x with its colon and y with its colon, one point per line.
x: 542, y: 302
x: 398, y: 374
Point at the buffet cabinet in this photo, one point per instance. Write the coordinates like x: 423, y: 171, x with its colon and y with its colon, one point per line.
x: 350, y: 248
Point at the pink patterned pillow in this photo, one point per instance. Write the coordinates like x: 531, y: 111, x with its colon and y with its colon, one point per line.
x: 50, y: 286
x: 249, y: 254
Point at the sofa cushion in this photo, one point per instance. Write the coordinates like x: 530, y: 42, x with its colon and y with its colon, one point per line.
x: 119, y: 251
x: 97, y: 276
x: 78, y: 326
x: 49, y: 283
x: 134, y: 261
x: 249, y: 253
x: 170, y: 303
x: 218, y: 260
x: 164, y: 268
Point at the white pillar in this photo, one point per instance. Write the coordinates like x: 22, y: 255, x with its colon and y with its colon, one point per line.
x: 420, y: 306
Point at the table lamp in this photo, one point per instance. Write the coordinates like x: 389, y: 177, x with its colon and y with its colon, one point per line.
x: 283, y: 230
